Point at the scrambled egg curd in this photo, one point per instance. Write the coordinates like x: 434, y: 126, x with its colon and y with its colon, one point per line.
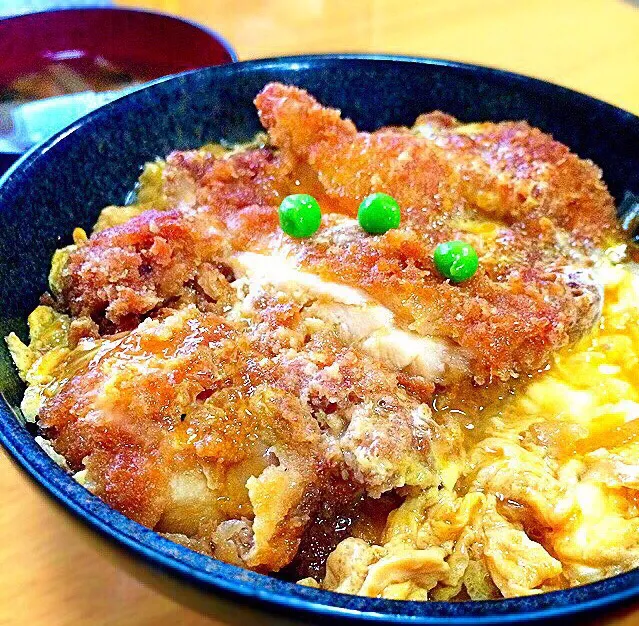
x: 333, y: 408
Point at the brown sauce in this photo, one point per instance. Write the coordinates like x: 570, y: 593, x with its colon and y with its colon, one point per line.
x: 59, y: 78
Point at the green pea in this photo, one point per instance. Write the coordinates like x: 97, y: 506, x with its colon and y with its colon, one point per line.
x: 378, y: 213
x: 456, y: 260
x: 300, y: 215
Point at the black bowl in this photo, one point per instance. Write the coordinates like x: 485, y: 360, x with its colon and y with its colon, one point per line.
x: 66, y: 181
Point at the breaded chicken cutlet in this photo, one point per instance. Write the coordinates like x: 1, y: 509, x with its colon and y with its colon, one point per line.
x: 241, y: 390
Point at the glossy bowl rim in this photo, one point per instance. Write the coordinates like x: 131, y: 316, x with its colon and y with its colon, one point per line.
x: 273, y: 595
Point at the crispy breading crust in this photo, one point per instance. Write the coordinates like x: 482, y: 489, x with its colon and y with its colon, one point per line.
x: 520, y: 306
x: 186, y: 426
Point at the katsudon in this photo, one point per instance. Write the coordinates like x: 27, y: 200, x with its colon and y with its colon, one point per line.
x: 399, y: 364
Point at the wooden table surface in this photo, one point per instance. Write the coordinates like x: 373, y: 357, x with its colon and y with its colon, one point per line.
x: 48, y: 574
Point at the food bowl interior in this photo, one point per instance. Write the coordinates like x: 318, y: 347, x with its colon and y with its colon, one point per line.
x: 65, y: 183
